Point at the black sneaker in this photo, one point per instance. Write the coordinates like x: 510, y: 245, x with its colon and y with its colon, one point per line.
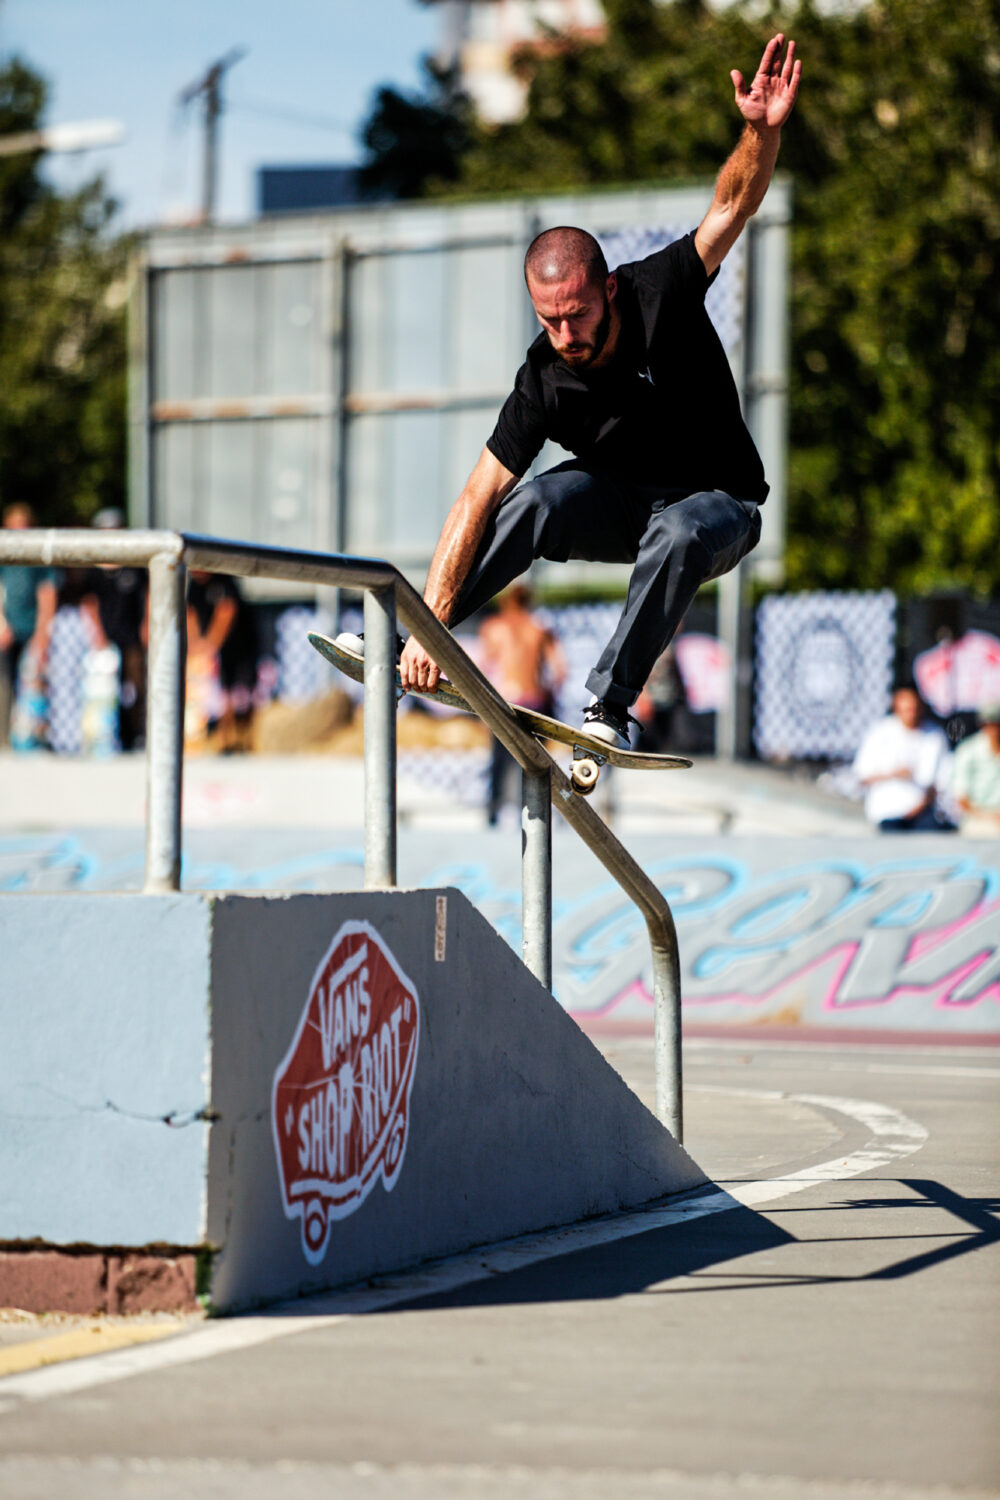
x: 608, y: 722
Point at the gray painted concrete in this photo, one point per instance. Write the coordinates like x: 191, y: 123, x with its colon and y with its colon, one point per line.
x: 112, y: 1007
x: 517, y: 1123
x: 305, y: 792
x: 104, y: 1019
x: 839, y: 1344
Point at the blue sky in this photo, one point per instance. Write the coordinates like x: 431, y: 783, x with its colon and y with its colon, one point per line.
x: 129, y: 59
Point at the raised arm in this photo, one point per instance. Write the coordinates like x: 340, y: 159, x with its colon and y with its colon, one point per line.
x: 463, y: 530
x: 743, y: 181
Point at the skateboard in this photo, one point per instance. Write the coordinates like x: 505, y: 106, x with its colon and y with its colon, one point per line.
x: 589, y: 752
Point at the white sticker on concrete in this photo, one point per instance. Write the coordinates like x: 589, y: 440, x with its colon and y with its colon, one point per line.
x: 440, y: 928
x: 341, y: 1096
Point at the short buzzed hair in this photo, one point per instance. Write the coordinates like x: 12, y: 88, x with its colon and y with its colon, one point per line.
x: 556, y: 254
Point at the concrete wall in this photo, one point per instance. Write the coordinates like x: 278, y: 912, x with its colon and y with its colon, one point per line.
x: 104, y: 1068
x: 387, y: 1083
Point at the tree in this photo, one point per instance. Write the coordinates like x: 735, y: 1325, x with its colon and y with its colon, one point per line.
x: 895, y: 468
x: 63, y: 284
x: 415, y: 142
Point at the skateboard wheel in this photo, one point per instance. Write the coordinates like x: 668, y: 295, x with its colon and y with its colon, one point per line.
x: 583, y: 774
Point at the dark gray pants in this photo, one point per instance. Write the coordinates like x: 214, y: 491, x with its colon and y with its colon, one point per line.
x: 677, y: 542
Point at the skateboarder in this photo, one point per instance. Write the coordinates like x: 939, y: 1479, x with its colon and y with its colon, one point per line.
x: 629, y: 376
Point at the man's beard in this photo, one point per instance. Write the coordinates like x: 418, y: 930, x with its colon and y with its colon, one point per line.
x: 585, y: 354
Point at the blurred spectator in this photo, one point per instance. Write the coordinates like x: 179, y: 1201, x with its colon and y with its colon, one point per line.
x: 524, y: 661
x: 222, y: 642
x: 27, y: 609
x: 976, y: 779
x: 660, y: 705
x: 113, y: 601
x: 903, y: 764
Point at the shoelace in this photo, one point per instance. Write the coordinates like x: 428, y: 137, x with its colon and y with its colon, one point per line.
x: 598, y: 711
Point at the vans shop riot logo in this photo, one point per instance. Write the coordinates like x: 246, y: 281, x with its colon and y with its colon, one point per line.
x: 341, y: 1097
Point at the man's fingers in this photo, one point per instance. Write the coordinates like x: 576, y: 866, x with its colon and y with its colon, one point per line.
x: 787, y: 67
x: 738, y: 82
x: 771, y: 60
x: 418, y: 672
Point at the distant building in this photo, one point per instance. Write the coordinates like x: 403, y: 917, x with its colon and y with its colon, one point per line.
x: 287, y: 190
x: 481, y: 36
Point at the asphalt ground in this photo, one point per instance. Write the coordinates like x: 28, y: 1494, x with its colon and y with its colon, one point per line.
x: 822, y: 1323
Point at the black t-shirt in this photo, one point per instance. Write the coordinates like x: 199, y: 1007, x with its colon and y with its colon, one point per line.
x: 239, y: 650
x: 121, y: 600
x: 665, y: 410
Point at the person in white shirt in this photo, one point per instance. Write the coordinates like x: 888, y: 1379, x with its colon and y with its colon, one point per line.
x: 903, y: 764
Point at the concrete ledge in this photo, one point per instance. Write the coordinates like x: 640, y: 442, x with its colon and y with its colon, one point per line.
x: 304, y: 1090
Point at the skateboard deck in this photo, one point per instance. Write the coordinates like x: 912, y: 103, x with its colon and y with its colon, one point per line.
x: 589, y: 752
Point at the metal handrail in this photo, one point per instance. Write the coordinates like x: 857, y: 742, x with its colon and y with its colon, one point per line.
x: 167, y: 555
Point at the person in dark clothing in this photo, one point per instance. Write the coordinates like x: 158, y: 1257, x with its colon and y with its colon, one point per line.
x: 664, y: 698
x: 630, y: 377
x: 222, y: 624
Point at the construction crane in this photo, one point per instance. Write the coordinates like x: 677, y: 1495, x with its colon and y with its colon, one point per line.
x: 209, y: 88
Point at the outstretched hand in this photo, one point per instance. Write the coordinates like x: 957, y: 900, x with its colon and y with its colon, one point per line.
x: 771, y: 96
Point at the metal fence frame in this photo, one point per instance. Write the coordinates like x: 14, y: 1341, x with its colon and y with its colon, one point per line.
x: 168, y: 555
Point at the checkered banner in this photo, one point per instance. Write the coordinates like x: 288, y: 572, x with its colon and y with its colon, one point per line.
x: 726, y: 295
x: 824, y: 672
x: 68, y: 647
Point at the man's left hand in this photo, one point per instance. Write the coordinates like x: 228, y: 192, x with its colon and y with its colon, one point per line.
x: 771, y: 96
x: 417, y: 668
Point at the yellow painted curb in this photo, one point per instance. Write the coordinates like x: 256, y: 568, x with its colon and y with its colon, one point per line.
x: 96, y: 1339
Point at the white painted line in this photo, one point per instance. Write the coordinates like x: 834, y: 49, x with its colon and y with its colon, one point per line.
x: 894, y: 1136
x: 941, y: 1072
x: 832, y: 1044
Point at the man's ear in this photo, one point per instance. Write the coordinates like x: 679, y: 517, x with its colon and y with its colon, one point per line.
x: 611, y: 286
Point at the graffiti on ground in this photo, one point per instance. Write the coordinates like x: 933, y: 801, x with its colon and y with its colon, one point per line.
x: 897, y: 942
x: 843, y: 935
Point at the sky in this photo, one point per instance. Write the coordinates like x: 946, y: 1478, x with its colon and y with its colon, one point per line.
x: 130, y: 59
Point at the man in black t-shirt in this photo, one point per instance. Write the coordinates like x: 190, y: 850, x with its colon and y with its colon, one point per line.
x: 629, y: 376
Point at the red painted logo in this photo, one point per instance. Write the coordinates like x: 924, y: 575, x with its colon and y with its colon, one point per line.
x: 341, y: 1097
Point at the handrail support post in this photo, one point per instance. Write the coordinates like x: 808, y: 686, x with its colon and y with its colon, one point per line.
x: 667, y: 1036
x: 165, y: 721
x: 536, y: 874
x: 380, y: 738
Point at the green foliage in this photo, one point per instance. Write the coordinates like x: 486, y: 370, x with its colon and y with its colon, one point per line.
x: 896, y: 291
x: 893, y: 150
x: 414, y: 142
x: 62, y: 331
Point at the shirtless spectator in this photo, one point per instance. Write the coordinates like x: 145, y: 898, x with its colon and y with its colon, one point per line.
x: 524, y: 661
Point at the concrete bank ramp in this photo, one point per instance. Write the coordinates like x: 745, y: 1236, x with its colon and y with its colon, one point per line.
x: 388, y: 1083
